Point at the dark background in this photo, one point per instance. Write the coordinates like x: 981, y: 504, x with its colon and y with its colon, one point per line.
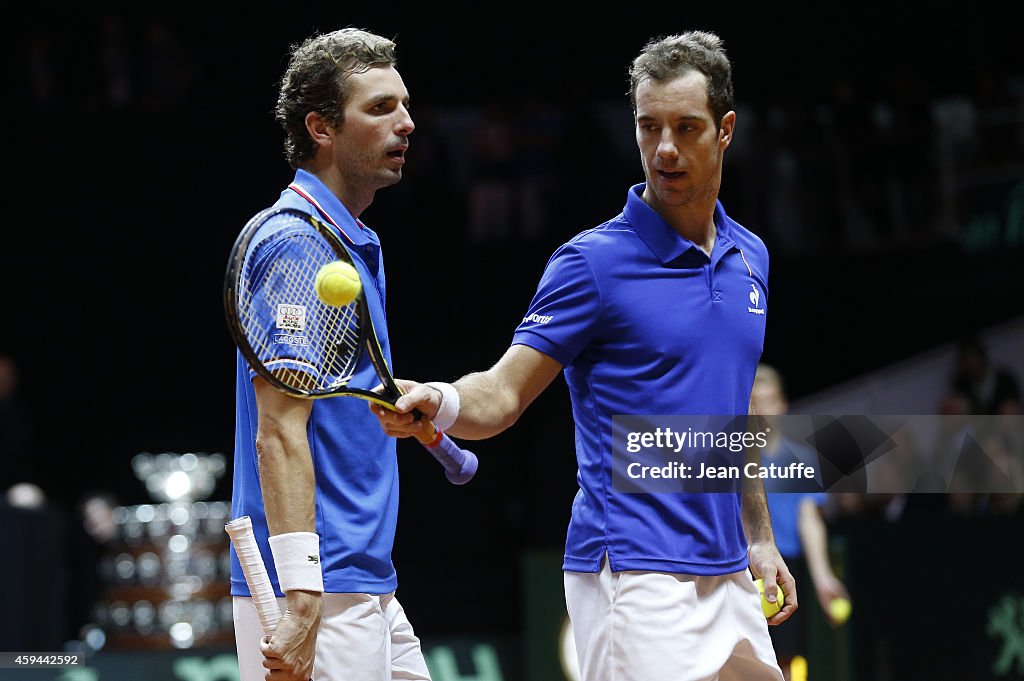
x: 121, y: 217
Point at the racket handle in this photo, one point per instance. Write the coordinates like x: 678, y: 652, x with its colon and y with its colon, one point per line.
x: 255, y: 571
x: 459, y: 464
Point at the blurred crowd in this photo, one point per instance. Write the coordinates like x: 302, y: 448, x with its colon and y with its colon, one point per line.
x: 865, y: 164
x: 966, y: 461
x: 123, y: 66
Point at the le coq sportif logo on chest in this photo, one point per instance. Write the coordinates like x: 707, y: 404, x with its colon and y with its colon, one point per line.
x: 755, y: 301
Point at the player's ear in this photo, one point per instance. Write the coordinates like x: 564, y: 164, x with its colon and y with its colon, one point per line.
x: 726, y: 129
x: 318, y: 128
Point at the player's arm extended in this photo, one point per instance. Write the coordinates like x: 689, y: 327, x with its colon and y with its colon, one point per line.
x: 286, y: 478
x: 489, y: 401
x: 814, y: 539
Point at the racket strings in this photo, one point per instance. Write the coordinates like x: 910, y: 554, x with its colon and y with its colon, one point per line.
x: 309, y: 345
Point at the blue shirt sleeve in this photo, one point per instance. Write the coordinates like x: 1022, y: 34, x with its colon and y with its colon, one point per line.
x: 566, y: 309
x: 286, y: 314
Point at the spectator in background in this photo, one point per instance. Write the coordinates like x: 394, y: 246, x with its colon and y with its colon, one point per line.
x: 856, y: 142
x: 983, y: 458
x: 988, y: 388
x: 909, y: 172
x: 986, y: 456
x: 797, y: 519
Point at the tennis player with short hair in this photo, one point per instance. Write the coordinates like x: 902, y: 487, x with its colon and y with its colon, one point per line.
x: 318, y: 478
x: 662, y: 308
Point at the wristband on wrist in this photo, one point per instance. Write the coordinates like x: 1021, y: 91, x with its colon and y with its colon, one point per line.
x: 297, y: 560
x: 448, y: 412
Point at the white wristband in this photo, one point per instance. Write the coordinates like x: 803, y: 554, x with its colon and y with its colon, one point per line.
x: 297, y: 560
x: 448, y: 412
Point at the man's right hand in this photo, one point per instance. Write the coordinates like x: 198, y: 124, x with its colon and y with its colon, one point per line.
x: 290, y: 651
x: 401, y: 423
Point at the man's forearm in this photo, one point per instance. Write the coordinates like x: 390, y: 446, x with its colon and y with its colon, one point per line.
x: 814, y: 539
x: 286, y: 479
x: 493, y: 400
x: 487, y: 407
x: 289, y: 493
x: 757, y: 522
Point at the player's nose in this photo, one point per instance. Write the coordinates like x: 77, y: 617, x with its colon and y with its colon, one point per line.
x: 405, y: 125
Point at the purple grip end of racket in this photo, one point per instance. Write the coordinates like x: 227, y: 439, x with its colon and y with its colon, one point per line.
x: 459, y: 464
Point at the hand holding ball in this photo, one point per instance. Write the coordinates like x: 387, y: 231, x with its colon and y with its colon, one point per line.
x: 767, y: 607
x: 337, y: 283
x: 839, y: 609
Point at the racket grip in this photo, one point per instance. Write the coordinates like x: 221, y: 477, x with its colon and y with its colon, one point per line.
x: 255, y: 571
x: 459, y: 464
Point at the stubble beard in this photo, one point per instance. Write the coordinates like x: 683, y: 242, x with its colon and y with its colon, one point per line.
x: 692, y: 196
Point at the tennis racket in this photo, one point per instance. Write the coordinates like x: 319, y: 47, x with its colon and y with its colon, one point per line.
x: 300, y: 344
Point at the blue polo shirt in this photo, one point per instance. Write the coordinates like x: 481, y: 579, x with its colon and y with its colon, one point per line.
x: 645, y: 323
x: 354, y: 462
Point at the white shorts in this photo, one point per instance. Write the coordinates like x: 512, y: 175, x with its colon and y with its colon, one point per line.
x: 656, y: 626
x: 361, y: 638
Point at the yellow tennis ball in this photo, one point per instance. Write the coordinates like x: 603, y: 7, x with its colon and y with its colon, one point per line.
x: 840, y: 609
x: 337, y: 283
x: 767, y: 607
